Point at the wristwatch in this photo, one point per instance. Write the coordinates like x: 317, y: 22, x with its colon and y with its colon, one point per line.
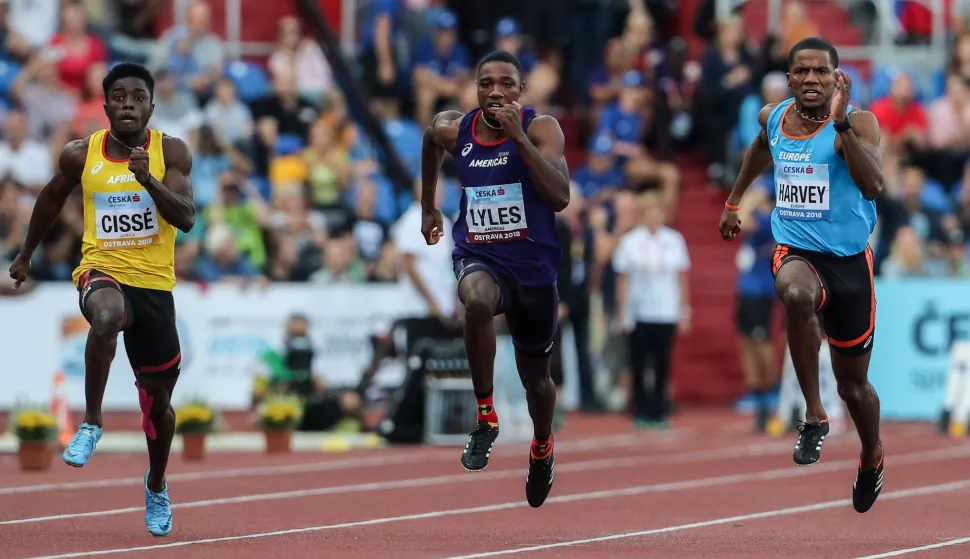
x: 841, y: 127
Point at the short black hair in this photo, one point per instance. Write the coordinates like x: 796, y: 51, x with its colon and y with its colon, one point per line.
x: 501, y: 56
x: 128, y: 70
x: 814, y: 43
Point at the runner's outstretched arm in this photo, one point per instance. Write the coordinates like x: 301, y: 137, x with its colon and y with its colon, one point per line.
x: 756, y: 160
x: 173, y: 194
x: 54, y: 195
x: 860, y: 149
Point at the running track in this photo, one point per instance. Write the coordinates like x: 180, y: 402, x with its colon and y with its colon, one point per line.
x: 706, y: 488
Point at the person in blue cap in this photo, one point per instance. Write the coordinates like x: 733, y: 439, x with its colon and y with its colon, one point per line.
x: 601, y: 177
x: 442, y: 68
x: 508, y: 37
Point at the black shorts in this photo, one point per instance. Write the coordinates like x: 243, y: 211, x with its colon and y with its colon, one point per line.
x: 531, y: 312
x: 847, y: 298
x: 754, y: 316
x: 151, y: 336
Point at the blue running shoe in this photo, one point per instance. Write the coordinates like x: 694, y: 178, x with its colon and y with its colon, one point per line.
x: 158, y: 511
x: 82, y: 446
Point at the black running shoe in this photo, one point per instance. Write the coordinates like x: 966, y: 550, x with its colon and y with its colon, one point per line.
x: 538, y: 482
x: 811, y: 435
x: 868, y: 484
x: 479, y: 447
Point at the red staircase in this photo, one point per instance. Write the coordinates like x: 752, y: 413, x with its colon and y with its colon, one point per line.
x: 706, y: 366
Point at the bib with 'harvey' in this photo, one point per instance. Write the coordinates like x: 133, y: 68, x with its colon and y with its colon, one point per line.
x: 802, y: 191
x: 124, y: 235
x: 496, y: 214
x: 818, y: 205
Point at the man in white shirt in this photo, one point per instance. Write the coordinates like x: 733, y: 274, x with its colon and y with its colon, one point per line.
x: 25, y: 160
x: 651, y: 263
x: 428, y: 268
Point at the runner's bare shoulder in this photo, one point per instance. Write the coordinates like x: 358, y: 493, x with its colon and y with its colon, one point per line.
x: 444, y: 129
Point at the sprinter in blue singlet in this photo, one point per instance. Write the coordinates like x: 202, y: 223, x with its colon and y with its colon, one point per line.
x: 513, y: 173
x: 828, y: 172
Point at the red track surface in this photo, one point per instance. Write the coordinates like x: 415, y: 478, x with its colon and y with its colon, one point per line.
x: 704, y: 489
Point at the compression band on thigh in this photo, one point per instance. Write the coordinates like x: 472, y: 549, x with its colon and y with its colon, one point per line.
x: 170, y: 368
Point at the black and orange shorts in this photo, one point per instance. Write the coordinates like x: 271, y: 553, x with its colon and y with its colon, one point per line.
x: 847, y: 296
x: 150, y: 332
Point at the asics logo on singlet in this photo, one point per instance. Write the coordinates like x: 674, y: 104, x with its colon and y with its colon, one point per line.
x: 789, y: 156
x: 97, y: 167
x: 466, y: 150
x: 493, y: 162
x: 121, y: 179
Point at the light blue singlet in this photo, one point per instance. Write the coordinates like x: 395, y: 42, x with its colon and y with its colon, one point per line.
x: 818, y: 205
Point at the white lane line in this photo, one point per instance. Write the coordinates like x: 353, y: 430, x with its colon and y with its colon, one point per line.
x: 426, y: 455
x: 588, y: 465
x: 899, y: 552
x: 901, y: 494
x: 912, y: 492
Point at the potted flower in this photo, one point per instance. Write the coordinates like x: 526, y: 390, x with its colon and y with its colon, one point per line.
x: 279, y: 416
x: 194, y: 421
x: 36, y: 431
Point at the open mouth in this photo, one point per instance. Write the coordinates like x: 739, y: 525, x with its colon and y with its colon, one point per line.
x: 812, y: 94
x: 494, y: 105
x: 127, y: 119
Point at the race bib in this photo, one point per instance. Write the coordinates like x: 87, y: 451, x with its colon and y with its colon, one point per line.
x: 125, y: 219
x: 803, y: 191
x: 495, y: 214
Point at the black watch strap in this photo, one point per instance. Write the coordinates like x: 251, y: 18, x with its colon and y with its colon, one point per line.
x: 843, y: 126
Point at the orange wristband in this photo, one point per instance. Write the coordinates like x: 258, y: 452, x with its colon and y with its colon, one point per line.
x: 732, y: 208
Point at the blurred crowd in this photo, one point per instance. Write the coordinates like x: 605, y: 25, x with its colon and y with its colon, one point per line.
x: 289, y: 188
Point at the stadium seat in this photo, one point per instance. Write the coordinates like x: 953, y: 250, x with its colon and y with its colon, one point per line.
x: 250, y: 79
x: 8, y: 75
x: 938, y: 83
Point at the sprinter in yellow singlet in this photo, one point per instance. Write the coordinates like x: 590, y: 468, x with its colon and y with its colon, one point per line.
x: 136, y: 194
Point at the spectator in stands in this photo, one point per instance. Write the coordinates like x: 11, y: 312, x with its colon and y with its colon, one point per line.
x: 930, y: 224
x: 590, y: 26
x: 328, y: 167
x: 75, y: 47
x: 89, y: 116
x: 193, y: 52
x: 901, y: 117
x: 948, y: 120
x: 607, y: 80
x: 727, y: 71
x: 574, y: 308
x: 238, y: 206
x: 304, y: 59
x: 281, y: 113
x: 24, y: 159
x: 49, y: 108
x: 404, y: 134
x: 774, y: 89
x: 442, y: 68
x: 908, y: 258
x: 134, y: 34
x: 427, y: 268
x: 626, y: 123
x: 652, y: 304
x: 679, y: 88
x: 13, y: 219
x: 369, y: 232
x: 957, y: 256
x: 508, y: 37
x: 187, y: 251
x: 31, y: 24
x: 341, y: 265
x: 379, y: 52
x: 229, y: 117
x: 177, y: 110
x: 601, y: 177
x: 211, y: 157
x: 795, y: 24
x: 756, y: 302
x: 222, y: 260
x: 959, y: 62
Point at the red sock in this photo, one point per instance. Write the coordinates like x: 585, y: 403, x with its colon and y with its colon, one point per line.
x: 486, y: 411
x: 541, y: 448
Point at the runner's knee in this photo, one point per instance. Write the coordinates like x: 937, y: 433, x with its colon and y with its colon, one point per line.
x: 854, y: 392
x: 799, y: 301
x: 107, y: 322
x: 479, y: 296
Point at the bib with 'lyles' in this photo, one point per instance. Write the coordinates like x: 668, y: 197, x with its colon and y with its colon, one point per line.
x: 124, y: 236
x: 817, y: 204
x: 502, y: 219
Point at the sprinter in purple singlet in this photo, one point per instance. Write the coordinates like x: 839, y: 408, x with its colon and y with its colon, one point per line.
x: 514, y: 179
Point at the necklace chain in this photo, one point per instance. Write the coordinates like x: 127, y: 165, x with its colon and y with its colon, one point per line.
x: 115, y: 138
x: 499, y: 127
x: 811, y: 118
